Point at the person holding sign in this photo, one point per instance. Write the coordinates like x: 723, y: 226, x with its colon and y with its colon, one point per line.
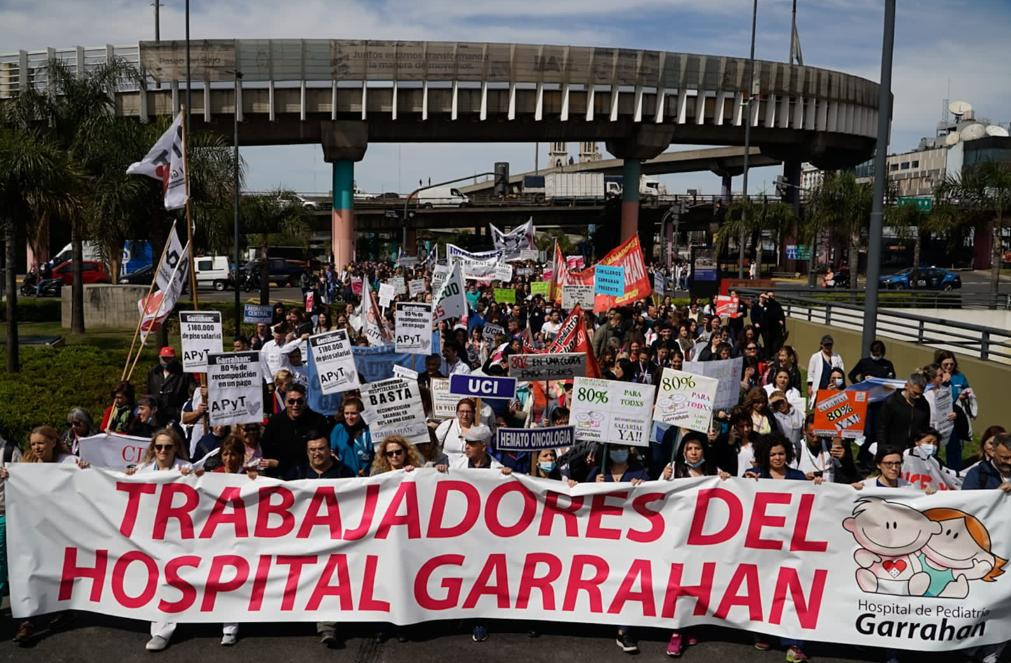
x: 450, y: 433
x: 351, y: 439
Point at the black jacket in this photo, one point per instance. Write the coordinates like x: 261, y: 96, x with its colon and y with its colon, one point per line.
x: 284, y: 438
x: 898, y: 421
x: 870, y: 368
x: 171, y: 392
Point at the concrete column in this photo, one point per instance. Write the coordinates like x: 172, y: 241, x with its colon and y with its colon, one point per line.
x: 726, y: 188
x: 342, y: 230
x: 631, y: 172
x: 411, y: 241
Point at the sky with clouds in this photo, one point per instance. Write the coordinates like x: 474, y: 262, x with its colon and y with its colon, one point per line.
x: 944, y: 48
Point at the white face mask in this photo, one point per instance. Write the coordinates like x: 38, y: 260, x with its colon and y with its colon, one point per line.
x: 840, y: 383
x: 927, y: 450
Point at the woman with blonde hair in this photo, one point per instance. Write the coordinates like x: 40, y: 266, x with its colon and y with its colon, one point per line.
x: 396, y: 453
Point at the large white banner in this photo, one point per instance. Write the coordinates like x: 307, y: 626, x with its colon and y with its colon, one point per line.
x: 413, y: 328
x: 234, y: 388
x: 728, y: 372
x: 335, y: 361
x: 612, y: 411
x: 113, y: 451
x: 784, y: 558
x: 480, y: 266
x: 515, y: 241
x: 200, y: 333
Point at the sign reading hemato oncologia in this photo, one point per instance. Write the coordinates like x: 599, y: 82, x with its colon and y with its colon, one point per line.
x: 787, y: 559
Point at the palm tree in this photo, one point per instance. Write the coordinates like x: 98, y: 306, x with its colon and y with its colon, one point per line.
x: 269, y: 214
x: 37, y: 180
x: 982, y: 192
x: 839, y: 208
x: 747, y: 218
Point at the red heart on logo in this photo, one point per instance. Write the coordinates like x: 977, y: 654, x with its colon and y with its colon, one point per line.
x: 898, y: 565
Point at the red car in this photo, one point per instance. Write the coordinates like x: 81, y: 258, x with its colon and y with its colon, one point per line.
x: 92, y: 271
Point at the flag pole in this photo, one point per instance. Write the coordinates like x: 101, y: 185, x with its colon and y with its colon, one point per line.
x: 189, y: 218
x: 150, y: 290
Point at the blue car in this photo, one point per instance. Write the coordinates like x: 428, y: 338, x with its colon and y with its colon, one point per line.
x: 921, y: 278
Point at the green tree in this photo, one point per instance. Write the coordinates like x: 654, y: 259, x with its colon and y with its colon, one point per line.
x: 839, y: 209
x: 270, y: 215
x: 749, y: 218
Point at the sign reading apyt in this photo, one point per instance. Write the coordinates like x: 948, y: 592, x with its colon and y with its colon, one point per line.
x: 413, y: 328
x: 612, y: 411
x: 234, y: 388
x: 548, y: 366
x: 335, y: 361
x: 200, y: 332
x: 530, y: 439
x: 480, y: 386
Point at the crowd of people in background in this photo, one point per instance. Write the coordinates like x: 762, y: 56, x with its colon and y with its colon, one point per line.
x: 768, y: 434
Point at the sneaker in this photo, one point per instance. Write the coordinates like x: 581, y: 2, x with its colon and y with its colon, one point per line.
x: 229, y: 639
x: 990, y: 658
x: 674, y: 646
x: 627, y: 643
x: 156, y: 643
x: 691, y: 640
x: 61, y: 621
x: 795, y: 655
x: 479, y: 634
x: 762, y: 644
x: 328, y: 639
x: 25, y: 633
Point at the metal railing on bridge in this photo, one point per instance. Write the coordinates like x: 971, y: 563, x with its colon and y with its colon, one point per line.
x: 903, y: 298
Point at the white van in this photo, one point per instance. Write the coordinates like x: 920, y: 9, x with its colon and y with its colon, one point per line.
x: 442, y: 196
x: 212, y: 271
x: 89, y: 250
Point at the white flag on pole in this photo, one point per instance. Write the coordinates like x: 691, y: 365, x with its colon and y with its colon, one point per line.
x: 174, y: 252
x: 157, y: 306
x: 512, y: 242
x: 451, y: 300
x: 372, y: 320
x: 166, y: 162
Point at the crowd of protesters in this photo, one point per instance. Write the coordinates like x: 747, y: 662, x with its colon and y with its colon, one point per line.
x: 769, y: 434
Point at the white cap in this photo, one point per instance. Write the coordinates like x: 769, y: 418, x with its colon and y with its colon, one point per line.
x: 479, y: 433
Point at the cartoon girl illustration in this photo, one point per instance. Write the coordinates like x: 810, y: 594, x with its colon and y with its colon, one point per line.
x: 950, y: 559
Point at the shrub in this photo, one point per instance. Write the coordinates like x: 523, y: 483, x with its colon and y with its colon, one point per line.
x: 32, y: 309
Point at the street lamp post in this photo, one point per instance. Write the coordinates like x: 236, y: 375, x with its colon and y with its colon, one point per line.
x: 880, y: 156
x: 747, y: 141
x: 237, y: 197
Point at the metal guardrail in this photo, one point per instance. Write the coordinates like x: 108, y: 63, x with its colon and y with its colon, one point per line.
x: 904, y: 298
x: 979, y: 341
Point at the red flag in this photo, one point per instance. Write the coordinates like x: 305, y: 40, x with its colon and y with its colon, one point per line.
x: 637, y: 286
x: 572, y: 337
x: 559, y: 275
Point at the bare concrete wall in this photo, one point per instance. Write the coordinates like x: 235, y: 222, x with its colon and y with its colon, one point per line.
x: 105, y: 306
x: 990, y: 380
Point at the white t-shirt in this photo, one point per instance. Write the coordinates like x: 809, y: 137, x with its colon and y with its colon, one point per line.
x: 550, y: 329
x: 822, y: 461
x: 462, y: 462
x: 746, y: 460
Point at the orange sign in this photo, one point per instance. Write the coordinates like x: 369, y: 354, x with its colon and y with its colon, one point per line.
x: 840, y: 413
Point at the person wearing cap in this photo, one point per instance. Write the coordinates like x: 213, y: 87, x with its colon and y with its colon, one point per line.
x: 168, y: 384
x: 789, y: 418
x: 475, y: 451
x: 296, y: 362
x: 819, y: 367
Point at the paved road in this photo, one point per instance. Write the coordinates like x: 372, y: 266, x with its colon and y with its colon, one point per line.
x: 106, y: 640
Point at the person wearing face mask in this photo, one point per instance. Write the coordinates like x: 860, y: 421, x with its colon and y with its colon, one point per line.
x: 544, y: 465
x: 873, y: 366
x: 815, y: 458
x: 905, y: 414
x: 836, y: 380
x: 789, y: 419
x: 819, y: 367
x: 691, y: 462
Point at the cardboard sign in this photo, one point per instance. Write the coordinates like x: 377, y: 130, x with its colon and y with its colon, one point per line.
x: 608, y: 280
x: 257, y: 314
x: 491, y: 331
x: 413, y: 328
x: 685, y: 400
x: 443, y: 402
x: 726, y: 306
x: 416, y: 287
x: 840, y: 413
x: 534, y: 439
x: 200, y: 332
x: 553, y: 366
x: 334, y: 361
x: 727, y: 372
x: 529, y: 254
x: 386, y: 294
x: 393, y: 407
x: 482, y: 386
x: 540, y: 288
x: 505, y: 295
x: 612, y: 411
x: 234, y: 388
x: 577, y: 295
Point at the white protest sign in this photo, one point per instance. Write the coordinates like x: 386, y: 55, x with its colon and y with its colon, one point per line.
x: 450, y: 299
x: 577, y: 295
x: 113, y: 451
x: 547, y: 366
x: 393, y: 407
x: 727, y: 371
x: 386, y: 294
x: 334, y: 361
x: 943, y: 405
x: 685, y: 400
x: 443, y: 402
x: 416, y: 287
x: 529, y: 254
x: 404, y: 372
x: 413, y: 328
x: 480, y: 266
x: 439, y: 274
x: 491, y: 331
x: 612, y: 411
x: 234, y: 388
x: 399, y: 286
x: 200, y: 332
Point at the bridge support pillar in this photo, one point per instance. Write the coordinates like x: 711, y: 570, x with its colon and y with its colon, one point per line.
x: 647, y: 142
x: 726, y: 188
x: 410, y: 241
x: 631, y: 172
x: 344, y: 143
x: 791, y: 171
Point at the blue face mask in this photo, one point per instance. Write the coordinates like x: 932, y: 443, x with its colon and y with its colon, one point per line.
x: 619, y: 456
x: 547, y: 466
x: 696, y: 465
x: 927, y: 450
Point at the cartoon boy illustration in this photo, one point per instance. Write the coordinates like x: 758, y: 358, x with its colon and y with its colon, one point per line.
x: 890, y: 534
x: 960, y: 552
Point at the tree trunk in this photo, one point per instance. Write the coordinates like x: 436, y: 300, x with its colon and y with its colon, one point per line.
x: 917, y: 247
x: 10, y: 258
x: 77, y: 287
x: 854, y: 256
x: 758, y: 256
x: 996, y: 254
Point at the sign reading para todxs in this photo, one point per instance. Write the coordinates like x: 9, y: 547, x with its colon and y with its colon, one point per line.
x: 200, y: 332
x: 234, y: 388
x: 609, y: 280
x: 335, y: 361
x: 413, y: 328
x: 482, y: 386
x: 612, y: 411
x: 685, y: 400
x: 529, y: 439
x: 548, y: 366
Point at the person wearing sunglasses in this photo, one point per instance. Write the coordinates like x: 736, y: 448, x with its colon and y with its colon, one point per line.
x: 287, y: 432
x: 396, y: 453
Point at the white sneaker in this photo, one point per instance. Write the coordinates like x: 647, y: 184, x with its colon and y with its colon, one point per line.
x: 990, y: 658
x: 156, y: 643
x: 228, y: 639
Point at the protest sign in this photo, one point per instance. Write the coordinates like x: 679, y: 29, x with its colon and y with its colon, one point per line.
x: 399, y: 285
x: 393, y: 407
x: 532, y: 439
x: 386, y: 294
x: 608, y: 280
x: 310, y: 301
x: 376, y: 363
x: 421, y: 546
x: 529, y: 254
x: 514, y: 242
x: 480, y: 266
x: 727, y: 372
x: 928, y: 475
x: 234, y: 388
x: 200, y: 333
x: 540, y: 288
x: 373, y: 321
x: 413, y: 328
x: 491, y: 331
x: 334, y: 361
x: 113, y: 451
x: 450, y: 299
x: 404, y: 372
x: 685, y: 400
x: 612, y: 411
x: 407, y: 261
x: 630, y: 258
x: 482, y: 386
x: 356, y: 285
x: 505, y: 296
x: 416, y: 287
x: 840, y: 413
x: 443, y: 402
x: 524, y: 271
x: 547, y: 366
x: 726, y: 306
x: 439, y: 274
x: 659, y: 284
x: 257, y: 314
x: 943, y: 407
x: 577, y: 295
x: 572, y: 337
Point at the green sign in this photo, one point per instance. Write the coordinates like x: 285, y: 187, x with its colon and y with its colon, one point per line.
x: 798, y: 251
x: 505, y: 295
x: 539, y: 288
x: 922, y: 203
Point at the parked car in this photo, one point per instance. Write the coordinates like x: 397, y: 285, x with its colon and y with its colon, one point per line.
x: 213, y: 271
x: 141, y: 276
x: 92, y: 271
x: 295, y: 199
x: 921, y: 278
x: 280, y: 272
